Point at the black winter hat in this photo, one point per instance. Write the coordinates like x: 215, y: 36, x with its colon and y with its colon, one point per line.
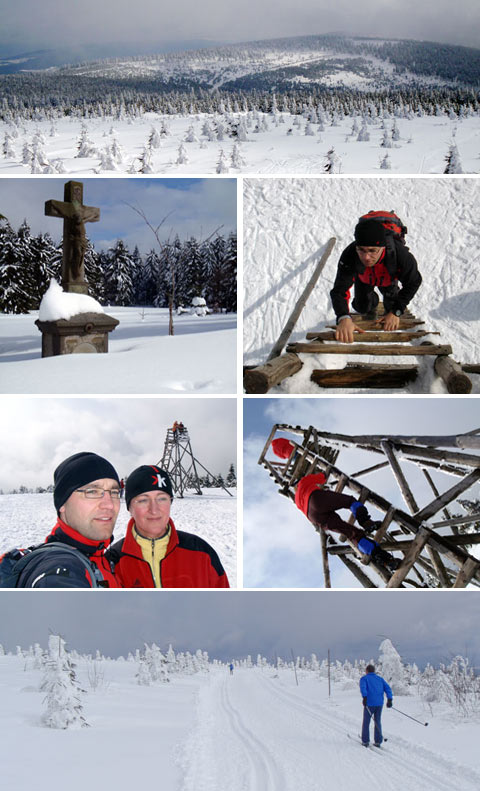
x: 370, y: 233
x: 147, y: 478
x: 76, y: 471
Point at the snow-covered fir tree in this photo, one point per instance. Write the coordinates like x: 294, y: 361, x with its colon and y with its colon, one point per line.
x: 118, y: 275
x: 63, y: 693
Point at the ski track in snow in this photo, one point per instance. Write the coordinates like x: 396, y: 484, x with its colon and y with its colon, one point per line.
x: 253, y: 733
x: 287, y: 223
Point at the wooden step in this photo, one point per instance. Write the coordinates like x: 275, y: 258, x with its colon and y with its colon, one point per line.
x: 379, y: 337
x: 371, y: 324
x: 318, y: 347
x: 380, y: 376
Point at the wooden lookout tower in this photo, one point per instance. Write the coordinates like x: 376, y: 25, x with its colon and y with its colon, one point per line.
x: 434, y: 541
x: 180, y: 463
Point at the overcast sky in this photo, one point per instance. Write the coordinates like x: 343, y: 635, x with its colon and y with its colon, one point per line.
x: 38, y: 433
x: 424, y: 626
x: 195, y: 207
x: 29, y: 24
x: 281, y: 548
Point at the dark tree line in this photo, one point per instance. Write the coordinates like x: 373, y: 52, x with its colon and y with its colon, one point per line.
x: 119, y: 276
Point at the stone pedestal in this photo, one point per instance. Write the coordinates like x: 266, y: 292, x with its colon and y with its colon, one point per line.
x: 84, y: 333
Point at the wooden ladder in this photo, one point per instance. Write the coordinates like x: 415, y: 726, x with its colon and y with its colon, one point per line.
x: 405, y: 342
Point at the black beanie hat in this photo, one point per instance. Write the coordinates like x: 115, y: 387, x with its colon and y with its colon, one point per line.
x: 370, y: 233
x: 78, y: 470
x: 147, y: 478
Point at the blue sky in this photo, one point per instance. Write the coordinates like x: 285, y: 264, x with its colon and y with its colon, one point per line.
x: 281, y: 548
x: 193, y: 207
x: 424, y: 626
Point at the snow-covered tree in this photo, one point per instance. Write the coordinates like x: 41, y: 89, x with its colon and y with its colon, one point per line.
x: 393, y: 670
x: 63, y: 693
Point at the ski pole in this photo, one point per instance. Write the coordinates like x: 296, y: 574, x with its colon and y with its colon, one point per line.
x: 410, y: 718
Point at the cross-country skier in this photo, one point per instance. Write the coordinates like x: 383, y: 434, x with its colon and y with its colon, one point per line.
x: 373, y: 688
x: 377, y: 258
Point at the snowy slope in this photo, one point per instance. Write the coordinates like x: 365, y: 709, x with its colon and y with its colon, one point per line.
x: 26, y: 519
x: 142, y: 357
x: 287, y: 223
x: 274, y: 145
x: 255, y: 730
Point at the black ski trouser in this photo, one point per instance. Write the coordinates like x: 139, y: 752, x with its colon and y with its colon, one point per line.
x: 366, y: 299
x: 322, y: 507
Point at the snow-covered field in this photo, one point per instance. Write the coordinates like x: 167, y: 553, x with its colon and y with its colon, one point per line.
x: 142, y: 358
x: 26, y: 519
x: 287, y: 223
x: 274, y: 144
x: 211, y: 732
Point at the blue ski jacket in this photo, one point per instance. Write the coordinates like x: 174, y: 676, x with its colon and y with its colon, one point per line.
x: 372, y: 688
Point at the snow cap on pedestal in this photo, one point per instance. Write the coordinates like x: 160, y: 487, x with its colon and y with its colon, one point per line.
x: 58, y: 304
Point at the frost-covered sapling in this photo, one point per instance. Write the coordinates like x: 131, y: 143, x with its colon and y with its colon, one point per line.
x: 63, y: 692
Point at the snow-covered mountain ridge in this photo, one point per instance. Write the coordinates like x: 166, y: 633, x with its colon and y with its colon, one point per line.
x: 334, y: 60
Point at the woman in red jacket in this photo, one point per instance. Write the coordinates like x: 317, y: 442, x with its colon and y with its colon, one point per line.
x: 154, y: 554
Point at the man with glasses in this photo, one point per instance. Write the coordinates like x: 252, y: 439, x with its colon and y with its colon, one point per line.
x: 154, y: 554
x: 377, y: 258
x: 87, y: 499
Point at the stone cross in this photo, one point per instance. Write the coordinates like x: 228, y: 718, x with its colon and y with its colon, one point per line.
x: 74, y: 215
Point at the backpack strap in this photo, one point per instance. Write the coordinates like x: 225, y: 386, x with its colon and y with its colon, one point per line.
x: 24, y: 560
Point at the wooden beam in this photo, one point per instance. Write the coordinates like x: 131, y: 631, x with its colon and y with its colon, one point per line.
x: 387, y: 519
x: 416, y: 548
x: 386, y: 376
x: 326, y: 567
x: 259, y: 380
x: 447, y: 497
x: 451, y: 372
x: 301, y: 302
x: 468, y: 570
x: 370, y: 336
x: 458, y: 520
x: 390, y: 350
x: 404, y: 545
x: 399, y: 476
x: 371, y: 324
x: 439, y: 567
x: 357, y: 572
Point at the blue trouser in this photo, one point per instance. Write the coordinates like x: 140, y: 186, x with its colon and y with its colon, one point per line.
x: 368, y: 713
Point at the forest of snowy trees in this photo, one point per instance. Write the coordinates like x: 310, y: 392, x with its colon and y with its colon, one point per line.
x: 454, y: 683
x: 206, y: 482
x: 118, y: 276
x: 183, y: 82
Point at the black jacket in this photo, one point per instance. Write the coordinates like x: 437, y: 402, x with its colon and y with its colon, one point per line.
x: 400, y: 264
x: 59, y: 568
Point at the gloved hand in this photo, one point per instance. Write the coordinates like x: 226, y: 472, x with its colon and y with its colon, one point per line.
x: 389, y: 703
x: 364, y: 701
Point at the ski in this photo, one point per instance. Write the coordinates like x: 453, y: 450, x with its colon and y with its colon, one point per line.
x: 369, y: 746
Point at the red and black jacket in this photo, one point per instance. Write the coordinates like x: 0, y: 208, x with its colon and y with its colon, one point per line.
x: 397, y: 264
x: 61, y: 570
x: 189, y: 562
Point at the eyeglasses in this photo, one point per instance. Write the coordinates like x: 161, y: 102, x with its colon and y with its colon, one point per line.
x: 96, y: 493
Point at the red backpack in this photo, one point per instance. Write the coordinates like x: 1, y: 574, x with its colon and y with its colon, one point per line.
x: 389, y: 220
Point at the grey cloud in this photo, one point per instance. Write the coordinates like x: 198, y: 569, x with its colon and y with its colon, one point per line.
x: 31, y: 25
